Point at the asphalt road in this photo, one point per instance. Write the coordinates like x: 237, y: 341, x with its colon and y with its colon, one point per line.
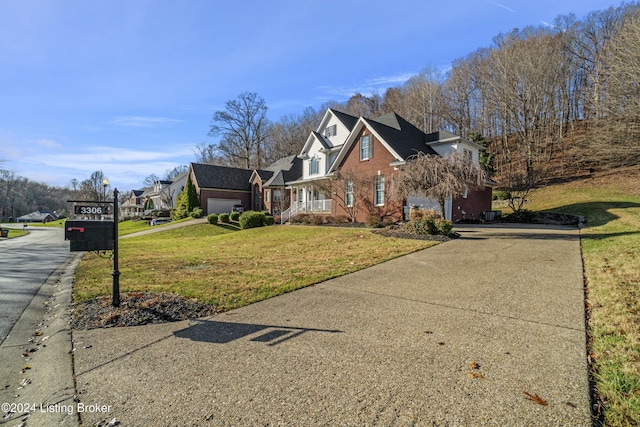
x: 25, y: 264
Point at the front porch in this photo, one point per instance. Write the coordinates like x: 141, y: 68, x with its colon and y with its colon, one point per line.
x: 307, y: 199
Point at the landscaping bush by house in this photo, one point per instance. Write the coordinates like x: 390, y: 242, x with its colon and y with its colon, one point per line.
x: 234, y: 216
x: 433, y: 226
x: 251, y: 219
x: 269, y: 220
x: 213, y: 219
x: 197, y: 213
x: 224, y: 218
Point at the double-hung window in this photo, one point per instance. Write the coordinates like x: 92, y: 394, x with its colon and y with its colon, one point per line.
x: 366, y: 147
x: 314, y: 166
x: 348, y: 193
x: 379, y: 190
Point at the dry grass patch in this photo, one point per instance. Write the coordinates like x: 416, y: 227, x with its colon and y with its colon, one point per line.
x: 611, y: 253
x: 230, y: 269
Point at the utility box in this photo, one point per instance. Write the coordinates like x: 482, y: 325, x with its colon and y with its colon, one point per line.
x: 89, y: 235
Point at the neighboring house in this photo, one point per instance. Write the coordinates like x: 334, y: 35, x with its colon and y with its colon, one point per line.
x: 221, y: 187
x: 165, y: 193
x: 134, y: 205
x: 269, y: 187
x: 309, y: 192
x: 38, y: 216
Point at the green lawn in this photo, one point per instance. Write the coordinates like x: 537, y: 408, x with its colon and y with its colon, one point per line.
x: 229, y: 268
x: 611, y: 253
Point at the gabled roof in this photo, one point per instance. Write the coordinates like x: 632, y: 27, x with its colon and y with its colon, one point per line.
x: 288, y: 169
x: 400, y: 137
x: 347, y: 120
x: 403, y: 137
x: 223, y: 177
x: 36, y: 216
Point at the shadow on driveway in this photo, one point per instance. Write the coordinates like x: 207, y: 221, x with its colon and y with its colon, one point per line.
x: 225, y: 332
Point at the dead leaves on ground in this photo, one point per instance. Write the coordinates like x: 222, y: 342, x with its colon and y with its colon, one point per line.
x: 474, y: 366
x: 535, y: 398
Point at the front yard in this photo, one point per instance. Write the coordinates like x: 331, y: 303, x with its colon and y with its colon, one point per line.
x: 229, y: 269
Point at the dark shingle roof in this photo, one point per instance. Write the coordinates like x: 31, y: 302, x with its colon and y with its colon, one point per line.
x: 348, y: 120
x: 284, y: 170
x: 228, y: 178
x: 403, y: 137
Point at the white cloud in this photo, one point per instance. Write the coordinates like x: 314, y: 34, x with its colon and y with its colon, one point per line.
x: 141, y: 121
x: 126, y: 168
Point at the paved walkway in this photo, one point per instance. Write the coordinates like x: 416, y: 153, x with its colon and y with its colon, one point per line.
x: 452, y: 335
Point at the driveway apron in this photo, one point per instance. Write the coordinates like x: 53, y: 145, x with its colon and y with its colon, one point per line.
x: 487, y: 329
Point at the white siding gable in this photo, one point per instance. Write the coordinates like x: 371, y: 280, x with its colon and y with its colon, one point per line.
x: 456, y: 146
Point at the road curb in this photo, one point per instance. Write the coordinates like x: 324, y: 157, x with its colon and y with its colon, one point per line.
x: 37, y: 355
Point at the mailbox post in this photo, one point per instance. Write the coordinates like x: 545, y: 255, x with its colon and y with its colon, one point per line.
x: 92, y: 235
x: 115, y: 298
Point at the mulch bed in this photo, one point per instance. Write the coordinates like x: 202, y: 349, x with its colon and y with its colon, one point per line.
x: 137, y: 309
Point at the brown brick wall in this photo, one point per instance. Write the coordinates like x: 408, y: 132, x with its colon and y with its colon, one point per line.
x: 378, y: 164
x: 477, y: 202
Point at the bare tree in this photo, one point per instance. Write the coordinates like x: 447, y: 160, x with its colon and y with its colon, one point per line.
x: 437, y: 177
x: 242, y: 126
x: 351, y: 190
x: 287, y: 136
x: 210, y: 154
x: 93, y: 188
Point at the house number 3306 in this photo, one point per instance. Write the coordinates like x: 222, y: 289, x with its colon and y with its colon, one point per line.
x: 90, y: 210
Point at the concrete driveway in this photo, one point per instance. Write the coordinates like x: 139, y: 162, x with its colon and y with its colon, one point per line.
x: 485, y: 330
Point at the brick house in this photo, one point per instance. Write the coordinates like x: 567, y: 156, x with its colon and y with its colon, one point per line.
x: 349, y: 163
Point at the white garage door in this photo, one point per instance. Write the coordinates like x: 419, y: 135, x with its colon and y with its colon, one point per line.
x: 221, y: 205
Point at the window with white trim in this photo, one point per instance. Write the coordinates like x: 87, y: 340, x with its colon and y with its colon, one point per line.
x: 314, y: 165
x: 379, y: 191
x: 330, y: 130
x: 277, y: 196
x: 348, y: 193
x: 366, y: 147
x: 267, y: 195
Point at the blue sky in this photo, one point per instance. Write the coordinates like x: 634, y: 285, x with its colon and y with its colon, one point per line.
x: 129, y: 86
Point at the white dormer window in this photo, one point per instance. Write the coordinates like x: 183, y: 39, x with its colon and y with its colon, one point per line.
x: 366, y: 147
x: 330, y: 130
x: 314, y: 166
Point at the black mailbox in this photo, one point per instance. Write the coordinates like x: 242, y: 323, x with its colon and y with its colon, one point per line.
x: 89, y: 235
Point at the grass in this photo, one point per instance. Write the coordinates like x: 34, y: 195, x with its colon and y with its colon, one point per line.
x: 611, y: 254
x: 228, y: 268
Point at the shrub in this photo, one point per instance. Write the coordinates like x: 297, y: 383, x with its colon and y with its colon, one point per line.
x: 197, y: 213
x: 301, y: 219
x: 224, y: 217
x: 330, y: 219
x: 213, y: 219
x: 179, y: 213
x: 416, y: 214
x: 269, y: 220
x: 251, y: 219
x: 445, y: 227
x: 432, y: 226
x: 342, y: 219
x: 373, y: 221
x: 316, y: 220
x: 234, y: 216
